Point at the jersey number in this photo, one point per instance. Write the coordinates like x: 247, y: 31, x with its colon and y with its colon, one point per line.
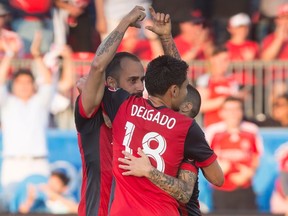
x: 151, y: 136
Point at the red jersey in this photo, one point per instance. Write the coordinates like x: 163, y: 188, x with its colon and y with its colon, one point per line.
x: 283, y: 53
x: 237, y: 148
x: 94, y: 141
x: 282, y: 157
x: 236, y: 51
x: 165, y: 136
x: 183, y: 47
x: 224, y: 87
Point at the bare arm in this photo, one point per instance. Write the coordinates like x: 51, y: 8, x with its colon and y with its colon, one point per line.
x: 6, y: 61
x: 101, y: 23
x: 180, y: 188
x: 36, y: 54
x: 213, y: 173
x: 4, y: 68
x: 209, y: 104
x: 162, y: 27
x: 68, y: 76
x: 93, y: 89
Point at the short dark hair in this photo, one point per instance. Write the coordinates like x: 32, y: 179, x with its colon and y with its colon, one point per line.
x: 62, y: 176
x: 113, y: 69
x: 163, y: 72
x: 235, y: 99
x: 194, y: 97
x: 22, y: 72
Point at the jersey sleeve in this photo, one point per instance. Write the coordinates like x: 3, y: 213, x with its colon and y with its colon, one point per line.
x: 84, y: 123
x: 112, y: 100
x: 196, y: 147
x: 189, y: 166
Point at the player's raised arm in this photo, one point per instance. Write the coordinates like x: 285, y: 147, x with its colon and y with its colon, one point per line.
x: 180, y: 188
x: 162, y: 27
x: 93, y: 89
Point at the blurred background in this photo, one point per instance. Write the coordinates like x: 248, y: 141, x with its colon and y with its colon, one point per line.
x: 234, y: 50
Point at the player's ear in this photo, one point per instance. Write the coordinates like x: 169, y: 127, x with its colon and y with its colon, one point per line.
x: 111, y: 82
x: 174, y: 91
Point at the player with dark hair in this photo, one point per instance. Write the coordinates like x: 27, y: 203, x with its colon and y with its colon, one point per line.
x: 166, y: 136
x: 94, y: 138
x: 190, y: 108
x: 192, y: 103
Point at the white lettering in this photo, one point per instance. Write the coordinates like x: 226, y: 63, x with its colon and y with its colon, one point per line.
x: 134, y: 110
x: 153, y: 115
x: 140, y: 110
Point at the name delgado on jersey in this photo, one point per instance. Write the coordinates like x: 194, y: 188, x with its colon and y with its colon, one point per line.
x: 153, y: 116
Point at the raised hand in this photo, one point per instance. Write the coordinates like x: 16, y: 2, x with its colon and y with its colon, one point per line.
x: 35, y: 48
x: 136, y: 15
x: 161, y: 23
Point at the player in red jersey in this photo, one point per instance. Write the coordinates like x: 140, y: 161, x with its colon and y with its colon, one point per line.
x: 166, y: 136
x: 190, y: 107
x: 125, y: 71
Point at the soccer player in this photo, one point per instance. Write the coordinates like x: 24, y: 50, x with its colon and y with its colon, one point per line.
x: 190, y: 107
x: 166, y: 136
x: 94, y: 138
x: 93, y: 134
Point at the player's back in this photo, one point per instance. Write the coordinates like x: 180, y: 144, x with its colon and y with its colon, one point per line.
x: 161, y: 133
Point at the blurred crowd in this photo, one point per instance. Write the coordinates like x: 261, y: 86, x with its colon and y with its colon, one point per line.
x: 40, y: 41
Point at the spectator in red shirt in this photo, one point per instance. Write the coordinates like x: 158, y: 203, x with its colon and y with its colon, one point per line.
x: 239, y: 47
x: 215, y: 86
x: 279, y: 199
x: 275, y: 45
x: 194, y: 41
x: 238, y: 146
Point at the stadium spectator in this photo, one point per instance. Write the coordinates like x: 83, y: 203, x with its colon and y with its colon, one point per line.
x: 72, y: 20
x: 37, y: 194
x: 24, y: 111
x: 238, y: 145
x: 239, y: 47
x: 266, y: 13
x: 216, y: 86
x: 60, y: 62
x: 275, y: 45
x: 7, y: 36
x: 279, y: 199
x: 30, y: 17
x: 220, y: 16
x: 279, y: 113
x: 194, y: 41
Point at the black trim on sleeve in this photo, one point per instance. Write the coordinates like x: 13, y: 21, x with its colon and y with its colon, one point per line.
x: 196, y: 147
x: 112, y: 100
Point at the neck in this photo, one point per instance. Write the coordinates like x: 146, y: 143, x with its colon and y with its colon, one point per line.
x: 237, y: 40
x: 158, y: 101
